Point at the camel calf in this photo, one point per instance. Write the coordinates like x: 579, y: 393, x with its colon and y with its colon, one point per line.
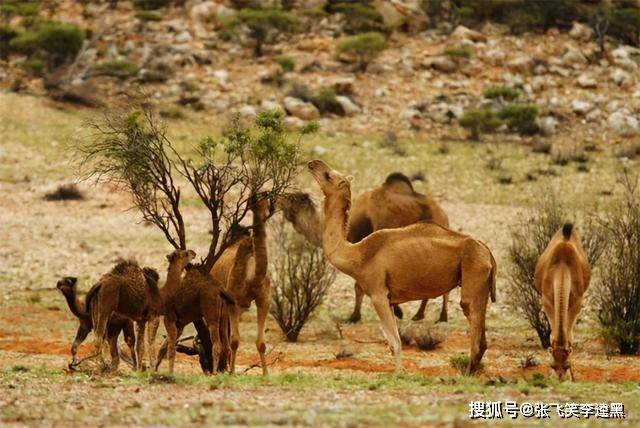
x: 562, y: 276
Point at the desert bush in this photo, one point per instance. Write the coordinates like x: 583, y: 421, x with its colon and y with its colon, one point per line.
x: 503, y: 93
x: 390, y: 141
x: 365, y: 47
x: 520, y: 118
x: 148, y: 15
x: 286, y: 63
x: 263, y: 25
x: 360, y: 18
x: 54, y: 42
x: 461, y: 362
x: 529, y: 360
x: 7, y: 11
x: 301, y: 277
x: 541, y: 146
x: 6, y: 35
x: 625, y: 23
x: 479, y: 120
x: 121, y: 68
x: 423, y: 337
x: 619, y: 284
x: 529, y: 238
x: 457, y: 51
x: 326, y: 102
x: 35, y: 67
x: 151, y: 4
x: 65, y: 192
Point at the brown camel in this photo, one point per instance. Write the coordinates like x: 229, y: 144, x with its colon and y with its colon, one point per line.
x: 189, y: 299
x: 126, y: 292
x: 420, y: 261
x: 394, y: 204
x: 82, y: 311
x: 242, y: 269
x: 562, y: 276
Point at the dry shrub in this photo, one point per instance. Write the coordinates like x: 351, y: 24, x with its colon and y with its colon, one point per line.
x: 423, y: 337
x: 65, y: 192
x: 528, y: 240
x: 619, y: 285
x: 301, y: 277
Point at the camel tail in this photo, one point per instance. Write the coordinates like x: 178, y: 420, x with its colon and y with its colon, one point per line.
x: 567, y: 229
x: 561, y: 290
x: 492, y: 279
x: 227, y: 297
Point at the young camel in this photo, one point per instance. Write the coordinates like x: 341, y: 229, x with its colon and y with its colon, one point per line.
x: 420, y: 261
x: 191, y: 298
x: 394, y: 204
x: 124, y: 291
x: 242, y: 269
x: 116, y: 324
x: 562, y: 276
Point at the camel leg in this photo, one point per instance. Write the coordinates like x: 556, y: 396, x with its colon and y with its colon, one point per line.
x: 356, y: 315
x: 381, y: 305
x: 100, y: 332
x: 397, y: 311
x: 214, y: 333
x: 205, y: 355
x: 234, y: 317
x: 444, y: 315
x: 151, y: 340
x: 81, y: 335
x: 113, y: 350
x: 172, y: 337
x: 130, y: 340
x: 420, y: 313
x: 474, y: 297
x: 263, y: 310
x: 140, y: 329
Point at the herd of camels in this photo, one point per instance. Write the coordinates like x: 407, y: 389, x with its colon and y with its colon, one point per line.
x: 393, y: 241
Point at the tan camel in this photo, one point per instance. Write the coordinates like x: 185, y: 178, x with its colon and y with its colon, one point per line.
x: 562, y: 276
x: 124, y: 291
x: 420, y: 261
x: 394, y: 204
x: 190, y: 298
x: 242, y: 269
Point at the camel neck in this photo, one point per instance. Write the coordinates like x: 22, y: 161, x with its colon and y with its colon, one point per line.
x: 174, y: 279
x: 260, y: 248
x: 74, y: 305
x: 340, y: 252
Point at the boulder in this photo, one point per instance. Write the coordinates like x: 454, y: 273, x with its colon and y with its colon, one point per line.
x: 547, y: 125
x: 462, y: 33
x: 292, y: 123
x: 348, y: 106
x: 573, y: 58
x: 247, y: 111
x: 581, y: 32
x: 620, y: 77
x: 521, y: 63
x: 581, y: 107
x: 209, y: 11
x: 441, y: 63
x: 298, y: 108
x: 623, y: 124
x: 270, y: 104
x: 183, y: 37
x: 622, y: 59
x: 587, y: 81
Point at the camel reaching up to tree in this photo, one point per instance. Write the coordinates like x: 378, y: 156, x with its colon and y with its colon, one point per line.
x: 420, y: 261
x: 242, y: 269
x: 191, y: 298
x: 82, y: 311
x: 394, y: 204
x: 561, y: 277
x: 124, y: 291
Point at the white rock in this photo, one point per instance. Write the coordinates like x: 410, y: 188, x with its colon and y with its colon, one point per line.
x: 623, y: 124
x: 301, y: 109
x: 350, y: 108
x: 581, y: 32
x: 574, y: 58
x: 319, y: 151
x: 521, y: 63
x: 292, y: 123
x: 183, y: 37
x: 620, y: 77
x: 248, y: 111
x: 581, y: 107
x: 409, y: 114
x: 440, y: 63
x: 547, y: 125
x: 594, y: 115
x: 268, y: 104
x: 587, y: 81
x: 463, y: 33
x: 208, y: 11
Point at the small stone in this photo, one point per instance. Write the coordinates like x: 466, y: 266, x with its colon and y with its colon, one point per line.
x: 581, y: 32
x: 586, y: 81
x: 581, y: 107
x: 620, y: 77
x: 350, y: 108
x: 303, y: 110
x: 547, y: 125
x: 441, y: 63
x: 623, y: 124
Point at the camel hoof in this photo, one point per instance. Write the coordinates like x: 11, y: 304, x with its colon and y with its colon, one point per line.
x: 443, y: 318
x: 353, y: 319
x: 397, y: 312
x: 418, y: 317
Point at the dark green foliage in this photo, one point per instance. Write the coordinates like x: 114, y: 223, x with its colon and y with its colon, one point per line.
x: 54, y: 42
x: 619, y: 284
x: 625, y: 24
x: 65, y: 192
x: 6, y: 35
x: 286, y: 63
x: 479, y: 120
x: 503, y: 93
x: 264, y: 24
x: 7, y: 11
x: 365, y: 47
x: 457, y: 51
x: 148, y: 15
x: 520, y: 118
x: 151, y: 4
x: 361, y: 19
x: 35, y: 67
x: 121, y: 68
x: 326, y: 102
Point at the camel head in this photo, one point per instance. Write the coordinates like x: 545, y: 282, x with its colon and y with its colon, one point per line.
x: 331, y: 182
x: 181, y: 257
x: 561, y: 364
x: 261, y: 207
x: 67, y: 285
x: 295, y: 205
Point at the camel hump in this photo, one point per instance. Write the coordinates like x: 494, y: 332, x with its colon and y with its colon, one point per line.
x: 124, y: 266
x: 567, y: 230
x: 398, y: 178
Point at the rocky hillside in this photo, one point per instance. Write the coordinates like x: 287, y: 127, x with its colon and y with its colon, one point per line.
x: 419, y: 80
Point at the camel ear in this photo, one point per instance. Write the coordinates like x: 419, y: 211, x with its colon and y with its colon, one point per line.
x: 349, y: 178
x: 72, y: 280
x: 192, y: 254
x: 169, y: 257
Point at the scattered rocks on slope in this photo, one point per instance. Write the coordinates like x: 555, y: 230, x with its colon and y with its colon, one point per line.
x: 547, y: 125
x: 586, y: 81
x: 620, y: 77
x: 581, y: 32
x: 348, y: 106
x: 581, y: 107
x: 573, y: 58
x: 623, y: 124
x: 298, y: 108
x: 462, y: 33
x: 441, y: 63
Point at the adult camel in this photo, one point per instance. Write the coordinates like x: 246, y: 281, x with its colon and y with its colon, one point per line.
x: 420, y: 261
x: 394, y: 204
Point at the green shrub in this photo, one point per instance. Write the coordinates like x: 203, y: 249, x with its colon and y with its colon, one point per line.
x: 458, y: 51
x: 326, y: 102
x: 35, y: 67
x: 27, y: 8
x: 461, y: 363
x: 148, y: 15
x: 364, y: 46
x: 7, y: 11
x: 501, y: 93
x: 150, y: 4
x: 361, y: 19
x: 6, y: 35
x: 263, y: 24
x: 54, y: 42
x: 286, y: 63
x: 520, y: 118
x: 625, y: 24
x: 121, y: 68
x: 479, y: 120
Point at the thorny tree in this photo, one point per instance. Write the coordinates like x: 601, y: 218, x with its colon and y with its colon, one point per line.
x: 131, y: 148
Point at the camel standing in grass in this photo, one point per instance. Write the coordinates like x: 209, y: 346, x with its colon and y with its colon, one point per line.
x: 191, y: 298
x: 394, y: 204
x: 420, y: 261
x: 562, y: 276
x: 124, y: 291
x: 242, y: 269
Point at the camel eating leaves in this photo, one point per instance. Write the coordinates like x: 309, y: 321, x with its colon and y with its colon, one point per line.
x: 420, y: 261
x: 561, y: 277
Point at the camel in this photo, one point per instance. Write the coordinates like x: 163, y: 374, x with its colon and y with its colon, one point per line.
x: 191, y: 298
x: 127, y: 292
x: 420, y: 261
x: 561, y: 277
x: 394, y: 204
x: 242, y: 269
x: 116, y: 324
